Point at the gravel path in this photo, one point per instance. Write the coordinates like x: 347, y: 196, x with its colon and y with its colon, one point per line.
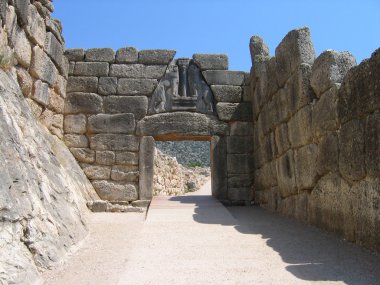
x: 193, y: 239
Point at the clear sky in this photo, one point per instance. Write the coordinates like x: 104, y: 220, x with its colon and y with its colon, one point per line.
x: 219, y: 26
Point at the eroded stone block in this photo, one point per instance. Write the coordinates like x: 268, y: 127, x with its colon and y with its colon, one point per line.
x: 42, y: 67
x: 100, y: 54
x: 91, y: 69
x: 87, y: 103
x: 156, y: 56
x: 127, y: 55
x: 84, y: 155
x: 82, y: 84
x: 41, y: 92
x: 137, y: 105
x: 105, y: 157
x: 286, y: 176
x: 114, y: 142
x: 127, y: 86
x: 107, y: 86
x: 224, y: 77
x: 96, y: 172
x: 75, y: 124
x: 125, y: 173
x: 226, y: 93
x: 118, y: 123
x: 299, y: 127
x: 138, y: 71
x: 127, y: 158
x: 305, y: 166
x: 74, y: 140
x: 115, y: 191
x: 75, y: 54
x: 211, y: 61
x: 328, y: 154
x: 234, y: 111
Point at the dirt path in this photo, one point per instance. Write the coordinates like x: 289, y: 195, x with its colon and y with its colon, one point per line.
x: 193, y: 239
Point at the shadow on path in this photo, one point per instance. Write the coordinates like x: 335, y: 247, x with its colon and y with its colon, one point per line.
x: 311, y: 254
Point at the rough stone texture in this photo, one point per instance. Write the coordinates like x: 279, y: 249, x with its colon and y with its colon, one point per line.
x: 87, y: 103
x: 41, y: 92
x: 299, y: 127
x: 42, y: 67
x: 72, y: 140
x: 330, y: 68
x: 107, y: 86
x: 328, y: 154
x: 156, y: 56
x: 181, y: 124
x: 305, y: 166
x: 105, y: 157
x: 96, y: 172
x: 223, y: 77
x: 234, y: 111
x: 137, y: 105
x: 372, y: 145
x: 127, y: 86
x: 36, y: 28
x: 22, y: 49
x: 119, y: 123
x: 239, y: 163
x: 241, y: 129
x: 219, y: 168
x: 226, y: 93
x: 75, y: 54
x: 55, y: 50
x: 239, y: 144
x: 129, y: 158
x: 258, y: 48
x: 82, y: 84
x: 211, y: 61
x: 84, y: 155
x: 286, y: 175
x: 100, y: 54
x: 25, y: 81
x: 115, y: 191
x: 137, y: 71
x: 146, y: 168
x: 39, y: 170
x: 125, y: 173
x: 114, y: 142
x: 91, y: 69
x: 127, y: 55
x: 75, y: 124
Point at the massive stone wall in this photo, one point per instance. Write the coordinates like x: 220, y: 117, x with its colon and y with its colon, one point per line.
x: 317, y: 136
x: 119, y: 102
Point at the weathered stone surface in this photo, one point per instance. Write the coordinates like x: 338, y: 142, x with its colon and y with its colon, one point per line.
x: 127, y: 158
x: 241, y: 129
x: 299, y: 127
x: 96, y: 172
x: 137, y: 71
x: 224, y: 77
x: 82, y: 84
x: 115, y: 191
x: 36, y: 28
x: 100, y: 54
x: 105, y: 157
x: 107, y: 86
x: 87, y: 103
x: 296, y: 48
x: 328, y: 155
x: 141, y: 203
x: 25, y: 81
x: 54, y: 49
x: 330, y: 68
x: 84, y: 155
x: 219, y: 168
x: 211, y: 61
x: 238, y: 144
x: 75, y: 54
x: 146, y: 168
x: 60, y: 85
x: 372, y: 144
x: 243, y: 195
x: 305, y: 166
x: 226, y: 93
x: 234, y: 111
x: 42, y: 67
x: 351, y: 146
x: 98, y: 206
x: 125, y: 173
x: 54, y: 26
x: 75, y: 124
x: 266, y: 176
x: 91, y: 69
x: 286, y: 175
x: 22, y: 10
x: 56, y: 102
x: 156, y: 56
x: 181, y: 124
x: 127, y: 55
x: 41, y: 92
x: 22, y: 49
x: 73, y: 140
x: 240, y: 181
x: 239, y: 163
x: 282, y: 138
x: 247, y: 94
x: 118, y: 124
x: 258, y: 47
x: 128, y: 86
x: 137, y: 105
x: 35, y: 108
x: 114, y: 142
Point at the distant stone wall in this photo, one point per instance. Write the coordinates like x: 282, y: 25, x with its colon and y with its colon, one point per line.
x: 317, y: 136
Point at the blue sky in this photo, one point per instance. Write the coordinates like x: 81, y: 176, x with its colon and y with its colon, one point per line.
x: 219, y: 26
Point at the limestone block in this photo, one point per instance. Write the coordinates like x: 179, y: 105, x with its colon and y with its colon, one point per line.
x: 282, y: 138
x: 238, y: 144
x: 257, y: 47
x: 54, y: 26
x: 117, y: 124
x: 60, y: 86
x: 56, y: 102
x: 41, y: 92
x: 22, y: 10
x: 141, y: 203
x: 42, y: 10
x: 82, y: 84
x: 42, y: 67
x: 55, y: 50
x: 71, y: 68
x: 75, y: 124
x: 25, y: 81
x: 211, y: 61
x: 282, y: 105
x: 75, y: 54
x: 138, y: 71
x: 3, y: 10
x: 239, y: 163
x: 224, y: 77
x: 127, y: 55
x: 125, y: 173
x: 270, y: 78
x: 98, y: 206
x: 330, y: 68
x: 128, y: 86
x: 219, y: 172
x: 351, y: 146
x: 84, y: 155
x: 325, y: 113
x: 22, y: 49
x: 107, y: 86
x: 286, y: 176
x: 100, y: 54
x: 105, y: 157
x: 46, y: 118
x: 137, y: 105
x: 91, y: 69
x: 296, y: 48
x: 115, y: 191
x: 156, y: 56
x: 234, y: 111
x: 328, y: 154
x: 240, y: 181
x: 73, y: 140
x: 247, y: 94
x: 34, y: 107
x: 226, y: 93
x: 266, y: 176
x: 87, y: 103
x: 114, y: 142
x: 372, y: 144
x: 241, y: 129
x: 96, y: 172
x: 181, y: 124
x: 299, y: 127
x: 242, y: 195
x: 127, y: 158
x: 36, y: 28
x: 305, y: 166
x: 146, y: 168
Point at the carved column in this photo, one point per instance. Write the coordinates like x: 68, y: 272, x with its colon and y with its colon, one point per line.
x: 183, y: 64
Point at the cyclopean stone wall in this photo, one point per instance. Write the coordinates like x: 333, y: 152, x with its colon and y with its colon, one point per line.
x: 119, y: 103
x: 317, y: 136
